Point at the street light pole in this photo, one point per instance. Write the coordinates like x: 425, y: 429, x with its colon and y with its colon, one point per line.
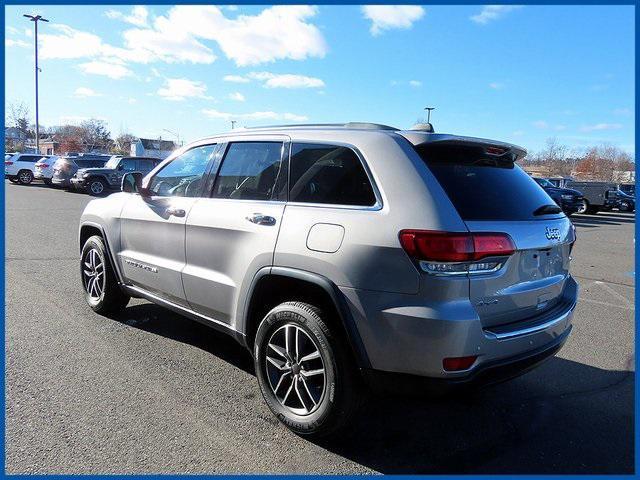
x: 35, y: 19
x: 173, y: 133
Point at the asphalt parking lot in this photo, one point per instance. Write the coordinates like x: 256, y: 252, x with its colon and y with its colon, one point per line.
x: 153, y: 392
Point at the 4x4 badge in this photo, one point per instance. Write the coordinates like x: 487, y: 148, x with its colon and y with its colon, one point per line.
x: 552, y: 233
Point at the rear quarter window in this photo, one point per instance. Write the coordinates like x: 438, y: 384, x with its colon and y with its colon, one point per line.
x: 328, y: 174
x: 484, y: 188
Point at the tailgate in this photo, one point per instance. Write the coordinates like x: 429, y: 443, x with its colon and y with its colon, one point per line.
x: 532, y: 280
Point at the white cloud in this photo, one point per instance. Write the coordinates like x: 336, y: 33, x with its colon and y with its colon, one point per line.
x: 415, y: 83
x: 105, y: 68
x: 138, y: 16
x: 68, y: 43
x: 132, y: 100
x: 540, y: 124
x: 237, y: 96
x: 623, y: 112
x: 493, y: 12
x: 13, y: 30
x: 387, y: 17
x: 518, y: 133
x: 28, y: 32
x: 16, y: 43
x: 601, y: 126
x: 560, y: 128
x: 268, y: 115
x: 84, y: 92
x: 236, y: 79
x: 496, y: 85
x: 272, y: 80
x: 178, y: 89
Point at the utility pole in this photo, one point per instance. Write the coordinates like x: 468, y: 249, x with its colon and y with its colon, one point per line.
x: 35, y: 19
x: 233, y: 124
x: 428, y: 109
x: 173, y: 133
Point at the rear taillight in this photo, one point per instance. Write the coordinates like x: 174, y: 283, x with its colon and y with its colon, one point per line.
x: 42, y: 165
x: 456, y: 252
x: 6, y: 164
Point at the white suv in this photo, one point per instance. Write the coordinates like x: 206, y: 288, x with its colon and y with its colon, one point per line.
x: 20, y: 168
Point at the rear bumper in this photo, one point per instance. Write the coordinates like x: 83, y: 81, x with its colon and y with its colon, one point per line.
x: 490, y: 373
x: 61, y: 182
x: 414, y: 338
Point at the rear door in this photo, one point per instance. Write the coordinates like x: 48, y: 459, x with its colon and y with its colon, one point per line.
x: 153, y: 226
x: 494, y: 195
x: 232, y: 233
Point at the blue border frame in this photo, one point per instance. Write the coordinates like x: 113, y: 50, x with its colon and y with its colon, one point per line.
x: 324, y: 2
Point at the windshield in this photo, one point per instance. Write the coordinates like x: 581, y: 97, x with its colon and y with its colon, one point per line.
x: 544, y: 183
x: 112, y: 163
x: 485, y: 188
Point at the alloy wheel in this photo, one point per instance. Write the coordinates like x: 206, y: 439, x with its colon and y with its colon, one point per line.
x: 583, y: 207
x: 93, y: 274
x: 26, y: 177
x: 295, y: 370
x: 96, y: 188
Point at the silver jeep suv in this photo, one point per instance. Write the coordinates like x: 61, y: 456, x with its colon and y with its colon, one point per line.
x: 343, y: 256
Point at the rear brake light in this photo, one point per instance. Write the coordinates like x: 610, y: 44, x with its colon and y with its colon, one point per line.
x: 8, y: 163
x: 455, y: 364
x: 495, y: 150
x: 455, y: 247
x: 42, y: 165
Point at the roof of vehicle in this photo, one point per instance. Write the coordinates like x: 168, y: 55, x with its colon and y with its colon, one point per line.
x: 415, y: 137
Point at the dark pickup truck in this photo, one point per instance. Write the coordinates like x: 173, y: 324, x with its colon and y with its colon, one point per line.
x: 97, y: 181
x: 570, y: 201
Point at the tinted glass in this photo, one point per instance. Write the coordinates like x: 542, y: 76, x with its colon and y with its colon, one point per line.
x: 146, y: 165
x: 128, y: 165
x: 249, y: 171
x: 89, y: 163
x: 183, y: 176
x: 30, y: 158
x: 484, y: 188
x: 328, y: 174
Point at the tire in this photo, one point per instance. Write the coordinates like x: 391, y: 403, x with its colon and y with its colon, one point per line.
x: 305, y: 401
x: 592, y: 210
x: 104, y: 294
x: 96, y: 187
x: 47, y: 181
x: 584, y: 207
x: 25, y: 177
x: 13, y: 179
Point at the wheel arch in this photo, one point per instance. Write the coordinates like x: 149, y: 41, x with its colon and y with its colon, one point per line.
x: 89, y: 229
x: 274, y: 285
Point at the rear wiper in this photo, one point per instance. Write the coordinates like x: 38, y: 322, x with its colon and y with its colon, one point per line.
x: 547, y: 210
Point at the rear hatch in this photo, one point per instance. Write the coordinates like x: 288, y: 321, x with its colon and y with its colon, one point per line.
x: 494, y: 195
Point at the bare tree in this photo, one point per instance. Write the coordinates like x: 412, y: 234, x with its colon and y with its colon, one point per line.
x: 122, y: 144
x: 95, y: 135
x: 17, y: 119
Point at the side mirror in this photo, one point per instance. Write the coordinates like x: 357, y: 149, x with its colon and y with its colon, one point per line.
x: 132, y: 182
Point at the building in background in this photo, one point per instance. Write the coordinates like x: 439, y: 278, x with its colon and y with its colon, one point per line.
x: 147, y: 147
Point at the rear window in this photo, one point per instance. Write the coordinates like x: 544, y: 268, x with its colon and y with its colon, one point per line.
x: 483, y: 188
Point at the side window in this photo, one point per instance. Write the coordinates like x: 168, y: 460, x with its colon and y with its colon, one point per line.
x: 127, y: 165
x: 145, y: 165
x: 183, y: 176
x: 249, y: 171
x: 29, y: 158
x: 328, y: 174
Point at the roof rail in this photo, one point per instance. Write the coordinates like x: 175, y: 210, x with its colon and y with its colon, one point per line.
x: 354, y: 125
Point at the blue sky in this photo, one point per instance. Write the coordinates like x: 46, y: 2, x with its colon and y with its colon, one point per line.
x: 519, y: 74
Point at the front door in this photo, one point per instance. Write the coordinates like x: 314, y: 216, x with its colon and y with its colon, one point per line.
x: 153, y: 225
x: 232, y: 234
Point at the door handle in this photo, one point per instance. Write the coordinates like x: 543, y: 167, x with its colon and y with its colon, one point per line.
x: 261, y: 219
x: 176, y: 212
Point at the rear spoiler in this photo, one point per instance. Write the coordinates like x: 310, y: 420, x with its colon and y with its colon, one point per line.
x: 490, y: 147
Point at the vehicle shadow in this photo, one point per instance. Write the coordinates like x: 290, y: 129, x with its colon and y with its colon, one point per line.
x: 161, y: 321
x: 562, y: 417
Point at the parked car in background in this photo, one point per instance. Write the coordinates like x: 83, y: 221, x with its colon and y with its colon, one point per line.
x: 560, y: 182
x: 98, y: 181
x: 625, y: 202
x: 598, y: 196
x: 20, y: 168
x: 343, y: 254
x: 628, y: 188
x: 66, y: 167
x: 568, y: 199
x: 44, y: 169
